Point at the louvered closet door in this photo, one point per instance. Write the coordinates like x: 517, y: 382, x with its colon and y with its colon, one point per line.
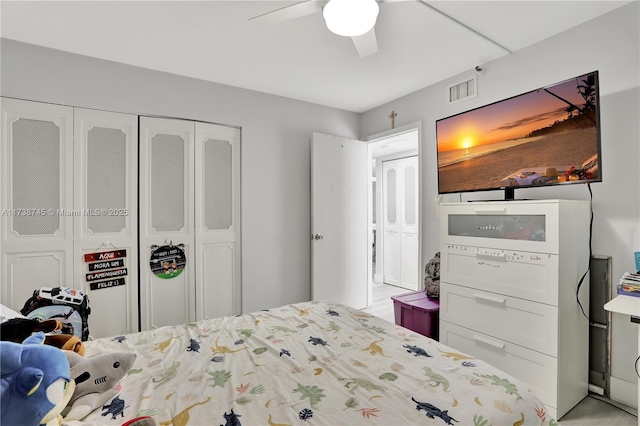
x: 166, y: 217
x: 106, y: 197
x: 36, y: 189
x: 217, y: 208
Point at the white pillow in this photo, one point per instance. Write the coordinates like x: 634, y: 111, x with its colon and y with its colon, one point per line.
x: 7, y: 313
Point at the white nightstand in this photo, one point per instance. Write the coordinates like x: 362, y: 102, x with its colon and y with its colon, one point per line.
x: 628, y: 305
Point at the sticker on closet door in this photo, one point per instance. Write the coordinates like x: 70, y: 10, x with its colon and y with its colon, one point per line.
x: 106, y: 269
x: 167, y: 261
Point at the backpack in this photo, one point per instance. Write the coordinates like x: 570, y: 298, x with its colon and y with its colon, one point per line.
x: 432, y: 277
x: 67, y: 305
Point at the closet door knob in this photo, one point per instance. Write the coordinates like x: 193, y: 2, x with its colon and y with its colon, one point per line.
x: 318, y: 237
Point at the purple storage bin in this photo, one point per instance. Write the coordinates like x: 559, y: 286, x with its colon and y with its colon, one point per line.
x: 417, y: 312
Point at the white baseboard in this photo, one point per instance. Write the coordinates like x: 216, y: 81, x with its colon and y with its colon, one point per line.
x: 624, y: 392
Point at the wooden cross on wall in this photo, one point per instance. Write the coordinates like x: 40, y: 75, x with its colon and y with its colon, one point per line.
x: 393, y: 116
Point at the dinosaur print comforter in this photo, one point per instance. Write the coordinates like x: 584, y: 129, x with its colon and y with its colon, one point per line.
x: 308, y: 364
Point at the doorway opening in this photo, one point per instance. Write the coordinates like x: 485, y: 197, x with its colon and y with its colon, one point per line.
x: 394, y: 218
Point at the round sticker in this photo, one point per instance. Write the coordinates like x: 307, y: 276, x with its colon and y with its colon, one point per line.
x: 168, y: 261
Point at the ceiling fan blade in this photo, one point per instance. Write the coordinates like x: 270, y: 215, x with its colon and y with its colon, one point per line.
x: 366, y: 44
x: 293, y: 11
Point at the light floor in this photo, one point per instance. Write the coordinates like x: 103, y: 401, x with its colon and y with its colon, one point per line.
x: 591, y: 411
x: 382, y: 305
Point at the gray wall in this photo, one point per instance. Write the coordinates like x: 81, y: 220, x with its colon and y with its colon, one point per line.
x: 609, y: 44
x: 276, y: 135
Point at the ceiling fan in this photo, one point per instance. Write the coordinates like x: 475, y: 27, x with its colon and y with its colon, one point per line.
x: 353, y: 18
x: 348, y: 18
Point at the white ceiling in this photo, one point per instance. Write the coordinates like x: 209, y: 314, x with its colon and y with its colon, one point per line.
x: 299, y: 58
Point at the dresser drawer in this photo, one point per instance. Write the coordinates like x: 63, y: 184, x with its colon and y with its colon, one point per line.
x: 524, y: 226
x: 537, y: 370
x: 526, y: 275
x: 525, y: 323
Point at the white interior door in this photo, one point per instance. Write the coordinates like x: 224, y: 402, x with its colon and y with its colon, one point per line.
x: 400, y: 222
x: 339, y: 222
x: 106, y: 199
x: 217, y: 211
x: 36, y: 242
x: 166, y: 218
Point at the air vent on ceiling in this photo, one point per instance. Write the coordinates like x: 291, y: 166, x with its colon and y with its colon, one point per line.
x: 461, y: 91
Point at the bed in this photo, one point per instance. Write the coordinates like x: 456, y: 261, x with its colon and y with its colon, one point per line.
x: 308, y: 363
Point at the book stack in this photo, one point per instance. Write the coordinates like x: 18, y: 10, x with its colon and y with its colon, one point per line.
x: 630, y: 284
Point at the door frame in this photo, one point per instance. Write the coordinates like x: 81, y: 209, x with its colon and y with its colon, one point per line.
x: 376, y: 138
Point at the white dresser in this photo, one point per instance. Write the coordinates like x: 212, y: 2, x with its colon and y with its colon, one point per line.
x: 509, y: 274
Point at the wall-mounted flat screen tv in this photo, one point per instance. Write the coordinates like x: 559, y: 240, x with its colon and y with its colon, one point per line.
x: 548, y: 136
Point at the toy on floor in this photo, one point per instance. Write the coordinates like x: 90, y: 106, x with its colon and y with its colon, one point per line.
x: 96, y: 379
x: 36, y: 382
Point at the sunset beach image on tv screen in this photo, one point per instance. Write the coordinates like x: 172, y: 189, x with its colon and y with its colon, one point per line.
x: 544, y: 137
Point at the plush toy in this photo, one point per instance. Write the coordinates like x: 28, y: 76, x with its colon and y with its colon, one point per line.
x: 18, y: 329
x: 66, y: 342
x: 36, y: 382
x: 95, y: 380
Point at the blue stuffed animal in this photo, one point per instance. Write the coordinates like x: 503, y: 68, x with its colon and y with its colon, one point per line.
x: 36, y: 382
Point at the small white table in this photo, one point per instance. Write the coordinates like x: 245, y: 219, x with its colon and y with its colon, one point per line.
x: 628, y: 305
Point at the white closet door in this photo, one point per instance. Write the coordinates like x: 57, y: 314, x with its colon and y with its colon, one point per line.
x: 392, y: 258
x: 36, y: 247
x: 217, y: 215
x: 166, y: 218
x: 409, y: 221
x: 106, y: 199
x: 400, y: 222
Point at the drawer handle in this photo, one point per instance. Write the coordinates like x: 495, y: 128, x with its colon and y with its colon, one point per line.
x: 490, y: 342
x: 490, y: 211
x: 492, y: 254
x: 493, y: 299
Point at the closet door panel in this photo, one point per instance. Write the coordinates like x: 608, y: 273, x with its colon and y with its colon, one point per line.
x: 106, y: 198
x: 400, y: 264
x: 410, y: 250
x: 217, y: 214
x: 36, y: 181
x: 391, y: 224
x: 166, y: 219
x: 28, y: 271
x: 217, y: 278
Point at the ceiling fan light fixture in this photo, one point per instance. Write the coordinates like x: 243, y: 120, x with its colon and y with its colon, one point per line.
x: 350, y: 18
